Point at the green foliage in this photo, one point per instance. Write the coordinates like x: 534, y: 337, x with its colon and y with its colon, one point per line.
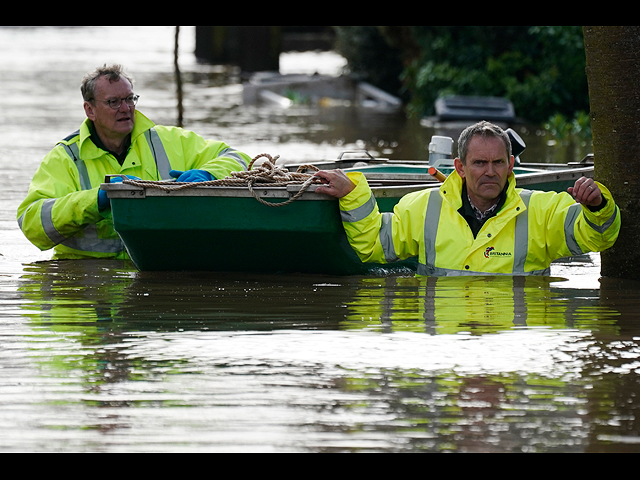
x: 565, y: 130
x: 541, y: 69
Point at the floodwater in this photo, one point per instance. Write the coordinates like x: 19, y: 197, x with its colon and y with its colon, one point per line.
x: 98, y: 357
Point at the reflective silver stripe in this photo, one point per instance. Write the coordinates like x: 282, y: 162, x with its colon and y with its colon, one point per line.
x: 446, y: 272
x: 605, y: 226
x: 521, y: 240
x: 359, y: 213
x: 386, y: 238
x: 47, y: 222
x: 74, y: 152
x: 159, y: 154
x: 90, y: 242
x: 230, y: 152
x: 569, y: 224
x: 426, y: 271
x: 431, y: 223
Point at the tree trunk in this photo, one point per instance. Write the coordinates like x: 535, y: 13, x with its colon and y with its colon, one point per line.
x: 178, y: 75
x: 613, y: 73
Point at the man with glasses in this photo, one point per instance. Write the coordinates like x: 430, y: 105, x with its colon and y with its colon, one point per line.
x: 65, y: 208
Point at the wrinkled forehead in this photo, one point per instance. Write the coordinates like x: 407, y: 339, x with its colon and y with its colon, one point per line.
x: 487, y: 147
x: 106, y: 87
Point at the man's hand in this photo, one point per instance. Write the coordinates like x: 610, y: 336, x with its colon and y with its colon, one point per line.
x: 103, y: 198
x: 191, y: 176
x: 338, y: 184
x: 586, y: 192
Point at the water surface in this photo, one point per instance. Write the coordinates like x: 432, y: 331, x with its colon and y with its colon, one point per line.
x: 98, y: 357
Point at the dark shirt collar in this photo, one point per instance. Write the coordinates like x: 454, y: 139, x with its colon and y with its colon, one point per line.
x: 98, y: 143
x: 469, y: 212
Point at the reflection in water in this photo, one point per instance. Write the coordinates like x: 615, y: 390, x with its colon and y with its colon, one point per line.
x: 114, y: 291
x: 327, y: 364
x: 476, y: 305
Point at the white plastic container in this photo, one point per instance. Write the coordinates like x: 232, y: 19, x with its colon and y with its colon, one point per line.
x: 440, y: 151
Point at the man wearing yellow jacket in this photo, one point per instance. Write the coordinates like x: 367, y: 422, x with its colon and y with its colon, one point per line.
x: 477, y: 222
x: 65, y: 209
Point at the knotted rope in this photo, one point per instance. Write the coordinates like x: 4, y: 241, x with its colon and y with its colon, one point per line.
x: 267, y: 174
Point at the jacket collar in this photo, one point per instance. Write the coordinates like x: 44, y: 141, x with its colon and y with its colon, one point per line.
x: 89, y: 151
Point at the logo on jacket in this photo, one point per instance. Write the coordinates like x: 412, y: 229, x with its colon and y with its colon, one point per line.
x: 491, y: 252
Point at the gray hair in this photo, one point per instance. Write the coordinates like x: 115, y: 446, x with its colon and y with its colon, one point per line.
x: 113, y: 74
x: 484, y: 130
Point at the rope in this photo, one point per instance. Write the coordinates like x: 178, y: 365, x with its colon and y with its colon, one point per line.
x: 268, y: 174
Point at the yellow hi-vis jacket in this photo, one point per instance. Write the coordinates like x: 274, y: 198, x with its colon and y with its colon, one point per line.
x: 532, y: 229
x: 61, y: 207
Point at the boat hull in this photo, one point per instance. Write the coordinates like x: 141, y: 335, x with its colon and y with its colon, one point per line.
x: 227, y: 229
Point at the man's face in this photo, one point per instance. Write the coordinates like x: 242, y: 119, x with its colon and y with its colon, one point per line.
x: 110, y: 123
x: 486, y: 170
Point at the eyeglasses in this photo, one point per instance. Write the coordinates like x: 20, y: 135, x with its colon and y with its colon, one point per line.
x: 115, y: 103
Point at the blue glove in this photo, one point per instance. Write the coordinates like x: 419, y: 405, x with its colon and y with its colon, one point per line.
x: 192, y: 176
x: 103, y: 198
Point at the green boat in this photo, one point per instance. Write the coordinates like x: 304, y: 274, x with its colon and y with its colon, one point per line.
x: 230, y: 228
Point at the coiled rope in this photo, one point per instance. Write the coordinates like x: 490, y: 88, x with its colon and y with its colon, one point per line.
x: 267, y: 174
